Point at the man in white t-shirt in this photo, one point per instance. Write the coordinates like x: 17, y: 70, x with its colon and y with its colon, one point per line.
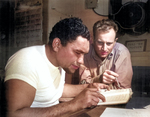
x: 35, y: 76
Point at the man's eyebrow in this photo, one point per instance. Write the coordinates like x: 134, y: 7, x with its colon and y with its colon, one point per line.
x: 81, y: 51
x: 109, y: 42
x: 103, y: 41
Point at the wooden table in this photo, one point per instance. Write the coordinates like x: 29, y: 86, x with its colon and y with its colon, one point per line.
x: 135, y: 102
x: 94, y: 112
x: 91, y: 112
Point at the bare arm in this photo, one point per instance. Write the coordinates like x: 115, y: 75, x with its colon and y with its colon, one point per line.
x: 73, y: 90
x: 20, y: 96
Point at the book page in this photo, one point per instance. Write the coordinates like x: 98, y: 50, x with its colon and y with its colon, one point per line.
x: 118, y: 96
x: 117, y: 112
x: 147, y: 107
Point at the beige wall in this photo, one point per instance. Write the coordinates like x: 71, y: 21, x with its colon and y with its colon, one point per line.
x: 138, y: 58
x: 60, y: 9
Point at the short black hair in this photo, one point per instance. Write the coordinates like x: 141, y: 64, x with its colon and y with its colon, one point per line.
x: 67, y: 30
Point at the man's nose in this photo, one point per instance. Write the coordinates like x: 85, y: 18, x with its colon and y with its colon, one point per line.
x: 81, y: 59
x: 104, y: 46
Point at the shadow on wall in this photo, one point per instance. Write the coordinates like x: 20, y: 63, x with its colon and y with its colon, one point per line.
x: 2, y: 99
x: 141, y: 81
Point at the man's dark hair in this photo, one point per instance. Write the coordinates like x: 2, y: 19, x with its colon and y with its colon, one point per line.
x: 67, y: 30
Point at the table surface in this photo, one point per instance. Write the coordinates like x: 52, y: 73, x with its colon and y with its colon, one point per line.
x: 94, y: 112
x: 134, y: 102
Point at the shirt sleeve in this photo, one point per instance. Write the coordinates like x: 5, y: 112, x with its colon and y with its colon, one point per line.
x: 23, y: 68
x: 123, y: 67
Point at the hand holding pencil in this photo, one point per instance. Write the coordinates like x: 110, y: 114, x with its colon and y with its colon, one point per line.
x: 109, y: 77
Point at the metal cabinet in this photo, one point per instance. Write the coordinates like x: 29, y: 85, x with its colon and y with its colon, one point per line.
x: 28, y: 23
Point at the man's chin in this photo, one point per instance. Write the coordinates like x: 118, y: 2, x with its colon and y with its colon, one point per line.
x: 103, y: 57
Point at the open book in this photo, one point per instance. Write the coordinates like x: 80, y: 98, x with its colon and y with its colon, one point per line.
x: 116, y: 96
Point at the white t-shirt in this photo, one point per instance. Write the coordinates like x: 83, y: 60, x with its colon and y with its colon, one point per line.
x: 32, y: 66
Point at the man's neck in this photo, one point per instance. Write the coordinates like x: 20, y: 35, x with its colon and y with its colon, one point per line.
x: 102, y: 59
x: 51, y: 55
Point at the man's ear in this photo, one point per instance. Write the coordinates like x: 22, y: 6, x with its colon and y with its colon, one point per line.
x: 116, y: 39
x: 56, y: 44
x: 91, y: 40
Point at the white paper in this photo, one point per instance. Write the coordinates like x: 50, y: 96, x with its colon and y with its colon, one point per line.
x: 118, y: 112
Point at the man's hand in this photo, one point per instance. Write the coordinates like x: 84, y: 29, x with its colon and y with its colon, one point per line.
x: 99, y: 86
x: 89, y: 97
x: 109, y: 77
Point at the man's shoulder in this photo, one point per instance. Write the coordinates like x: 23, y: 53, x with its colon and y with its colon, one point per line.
x: 27, y: 54
x: 120, y: 47
x: 32, y: 50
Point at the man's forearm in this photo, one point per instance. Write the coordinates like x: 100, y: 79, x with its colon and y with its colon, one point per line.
x: 62, y: 109
x: 73, y: 90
